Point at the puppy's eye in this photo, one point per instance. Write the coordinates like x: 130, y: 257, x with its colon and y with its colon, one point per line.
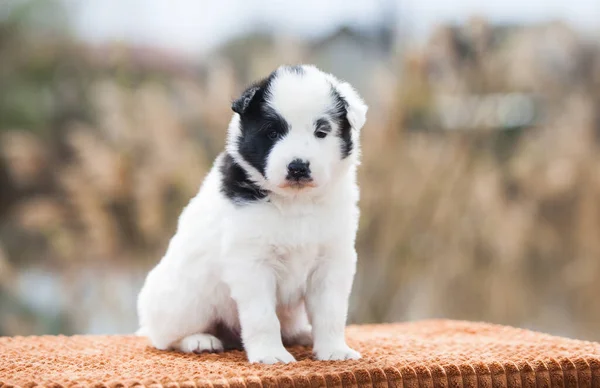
x: 273, y: 135
x: 320, y: 134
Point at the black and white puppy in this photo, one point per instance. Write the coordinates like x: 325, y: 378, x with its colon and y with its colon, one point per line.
x: 266, y: 248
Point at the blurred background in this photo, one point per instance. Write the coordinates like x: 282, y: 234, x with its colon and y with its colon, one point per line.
x: 481, y: 163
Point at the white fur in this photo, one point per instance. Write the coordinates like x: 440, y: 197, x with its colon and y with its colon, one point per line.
x: 266, y: 268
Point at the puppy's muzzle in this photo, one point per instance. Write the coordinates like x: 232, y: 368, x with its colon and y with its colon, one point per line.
x: 298, y: 170
x: 298, y: 175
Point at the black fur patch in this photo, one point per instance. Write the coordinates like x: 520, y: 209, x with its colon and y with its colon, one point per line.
x: 258, y: 122
x: 339, y: 114
x: 323, y: 125
x: 235, y: 183
x: 240, y: 105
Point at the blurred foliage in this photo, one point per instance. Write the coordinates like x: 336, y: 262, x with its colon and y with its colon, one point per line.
x: 101, y: 147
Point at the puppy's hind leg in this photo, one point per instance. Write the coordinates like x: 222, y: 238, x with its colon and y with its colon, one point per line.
x: 198, y: 338
x: 295, y: 328
x: 199, y: 343
x: 185, y: 325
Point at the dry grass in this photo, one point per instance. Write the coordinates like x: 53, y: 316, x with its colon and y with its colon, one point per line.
x: 497, y: 226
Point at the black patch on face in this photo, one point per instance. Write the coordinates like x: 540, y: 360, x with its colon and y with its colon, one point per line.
x: 323, y: 125
x: 322, y: 128
x: 261, y: 127
x: 235, y: 183
x: 339, y: 114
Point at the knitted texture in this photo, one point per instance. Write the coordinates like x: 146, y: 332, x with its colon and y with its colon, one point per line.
x: 431, y: 354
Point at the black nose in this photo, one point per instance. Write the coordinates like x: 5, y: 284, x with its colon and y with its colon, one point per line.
x: 298, y: 169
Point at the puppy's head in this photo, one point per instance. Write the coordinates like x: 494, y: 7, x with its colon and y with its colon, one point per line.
x: 296, y: 130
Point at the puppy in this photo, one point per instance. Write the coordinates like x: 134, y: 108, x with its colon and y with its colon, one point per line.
x: 265, y: 251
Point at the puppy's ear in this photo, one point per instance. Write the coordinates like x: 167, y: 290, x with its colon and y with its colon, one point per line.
x: 355, y: 106
x: 242, y: 103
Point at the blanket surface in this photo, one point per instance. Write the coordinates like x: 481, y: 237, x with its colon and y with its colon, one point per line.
x: 430, y: 354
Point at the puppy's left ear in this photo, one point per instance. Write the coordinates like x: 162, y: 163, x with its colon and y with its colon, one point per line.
x: 355, y: 106
x: 241, y: 104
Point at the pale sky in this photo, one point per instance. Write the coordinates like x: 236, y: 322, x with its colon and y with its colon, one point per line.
x: 193, y: 26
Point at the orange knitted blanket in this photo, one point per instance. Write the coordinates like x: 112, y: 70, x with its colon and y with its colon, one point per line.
x: 428, y: 354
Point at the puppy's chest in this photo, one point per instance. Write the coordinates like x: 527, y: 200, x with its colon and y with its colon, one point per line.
x: 294, y: 244
x: 296, y: 233
x: 292, y: 267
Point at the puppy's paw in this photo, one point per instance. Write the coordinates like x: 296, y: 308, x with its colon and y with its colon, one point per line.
x: 302, y: 338
x: 270, y: 356
x: 337, y: 354
x: 200, y: 343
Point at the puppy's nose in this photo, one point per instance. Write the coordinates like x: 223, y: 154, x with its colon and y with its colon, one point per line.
x: 298, y: 169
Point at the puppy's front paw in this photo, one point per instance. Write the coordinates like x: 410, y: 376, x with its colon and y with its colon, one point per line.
x: 337, y: 354
x: 270, y: 356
